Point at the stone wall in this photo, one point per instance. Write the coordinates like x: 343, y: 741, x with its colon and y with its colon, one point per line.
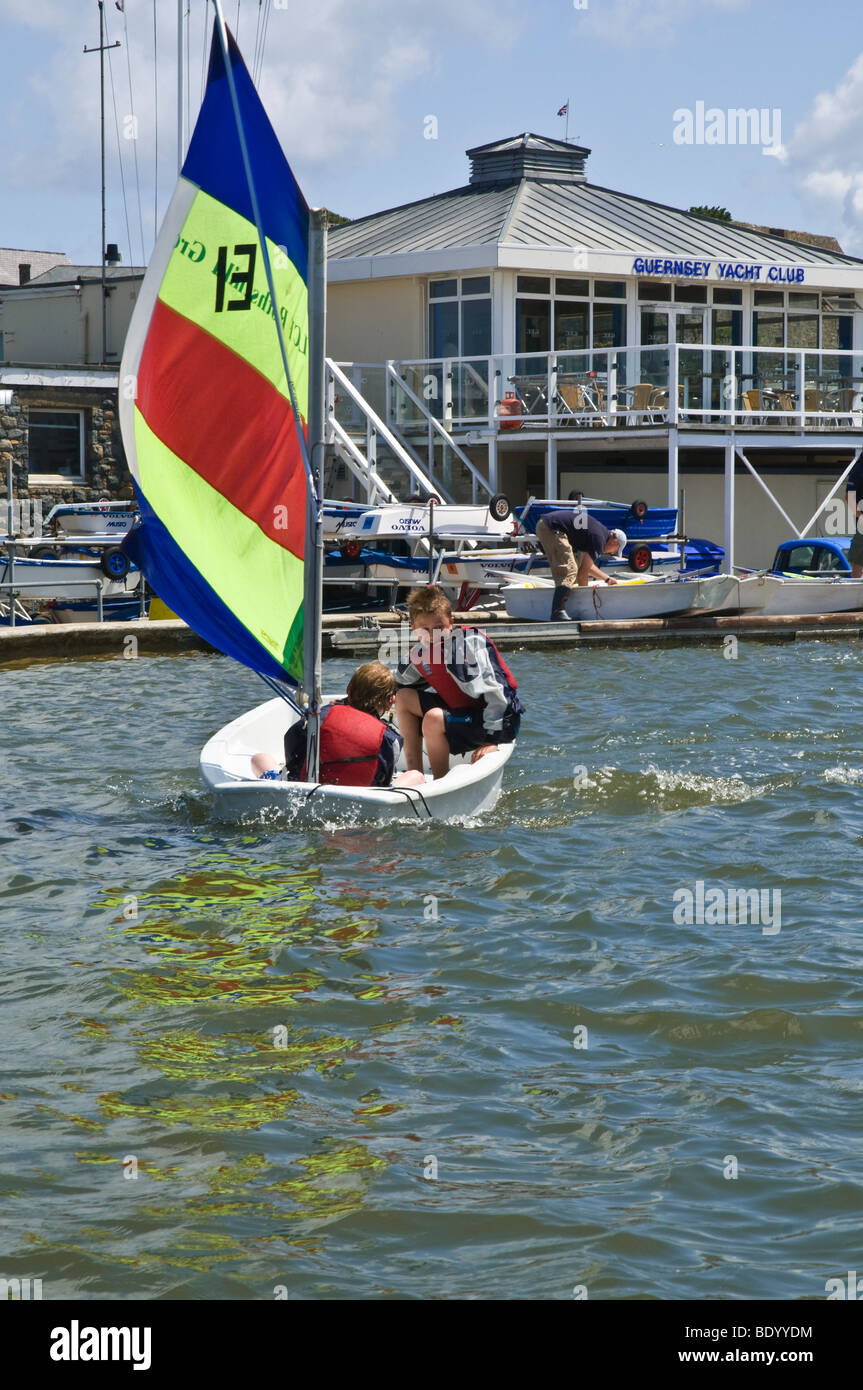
x: 105, y: 471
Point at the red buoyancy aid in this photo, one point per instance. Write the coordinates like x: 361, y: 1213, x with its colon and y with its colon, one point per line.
x: 350, y: 743
x: 435, y: 671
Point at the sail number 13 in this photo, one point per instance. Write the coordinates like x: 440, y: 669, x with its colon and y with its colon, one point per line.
x: 237, y: 279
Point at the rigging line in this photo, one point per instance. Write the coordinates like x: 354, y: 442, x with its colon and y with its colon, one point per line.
x: 257, y: 40
x: 188, y: 24
x: 259, y: 30
x: 265, y: 32
x: 135, y: 135
x: 119, y: 146
x: 204, y: 29
x: 156, y: 125
x: 237, y: 25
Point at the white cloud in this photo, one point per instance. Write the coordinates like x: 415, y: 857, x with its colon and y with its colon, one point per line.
x: 825, y: 159
x: 334, y: 76
x: 643, y: 21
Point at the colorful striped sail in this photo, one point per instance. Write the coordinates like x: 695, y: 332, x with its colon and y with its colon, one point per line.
x: 210, y: 433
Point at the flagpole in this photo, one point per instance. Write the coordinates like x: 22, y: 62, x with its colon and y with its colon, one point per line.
x: 566, y: 132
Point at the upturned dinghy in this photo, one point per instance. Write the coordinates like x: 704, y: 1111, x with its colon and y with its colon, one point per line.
x: 224, y: 433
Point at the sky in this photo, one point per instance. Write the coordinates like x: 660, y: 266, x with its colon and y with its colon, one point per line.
x: 354, y: 91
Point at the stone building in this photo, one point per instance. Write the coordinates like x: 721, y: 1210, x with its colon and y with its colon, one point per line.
x: 59, y: 357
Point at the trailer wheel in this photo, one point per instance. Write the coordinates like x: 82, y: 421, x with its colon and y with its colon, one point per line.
x: 639, y: 510
x: 45, y: 552
x: 350, y: 550
x: 499, y: 507
x: 114, y: 563
x: 640, y: 559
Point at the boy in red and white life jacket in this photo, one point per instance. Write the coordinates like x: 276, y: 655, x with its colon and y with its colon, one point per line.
x: 456, y: 691
x: 357, y: 749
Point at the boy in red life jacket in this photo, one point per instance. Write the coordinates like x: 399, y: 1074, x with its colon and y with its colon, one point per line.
x: 357, y: 748
x: 456, y: 691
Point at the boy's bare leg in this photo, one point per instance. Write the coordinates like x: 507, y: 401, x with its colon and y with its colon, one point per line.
x: 262, y: 762
x: 437, y: 748
x: 409, y: 779
x: 409, y: 717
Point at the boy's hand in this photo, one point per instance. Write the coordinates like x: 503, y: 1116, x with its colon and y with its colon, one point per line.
x: 481, y: 752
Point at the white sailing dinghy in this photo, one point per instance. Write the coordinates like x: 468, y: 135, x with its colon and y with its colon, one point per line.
x: 652, y: 596
x: 224, y: 435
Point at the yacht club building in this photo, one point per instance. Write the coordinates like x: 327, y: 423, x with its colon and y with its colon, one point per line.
x: 541, y: 333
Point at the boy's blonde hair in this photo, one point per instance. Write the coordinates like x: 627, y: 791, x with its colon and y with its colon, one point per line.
x: 431, y: 601
x: 371, y: 689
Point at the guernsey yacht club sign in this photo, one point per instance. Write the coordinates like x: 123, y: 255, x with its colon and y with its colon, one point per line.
x: 719, y: 270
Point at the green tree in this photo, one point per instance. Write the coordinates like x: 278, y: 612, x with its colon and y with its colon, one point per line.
x: 717, y: 213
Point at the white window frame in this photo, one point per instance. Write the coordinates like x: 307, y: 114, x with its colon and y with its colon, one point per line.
x: 82, y: 441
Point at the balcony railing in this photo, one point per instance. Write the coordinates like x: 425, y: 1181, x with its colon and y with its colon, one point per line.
x: 661, y: 385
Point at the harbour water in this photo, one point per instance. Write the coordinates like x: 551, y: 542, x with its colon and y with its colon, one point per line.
x: 439, y: 1061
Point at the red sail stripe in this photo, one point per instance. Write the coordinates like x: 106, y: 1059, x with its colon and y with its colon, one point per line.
x: 189, y: 386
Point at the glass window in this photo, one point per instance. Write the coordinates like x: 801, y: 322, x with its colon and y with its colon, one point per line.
x: 650, y: 289
x: 55, y: 443
x: 654, y: 328
x: 727, y: 327
x: 836, y: 332
x: 802, y: 301
x: 609, y: 289
x: 571, y: 326
x: 722, y: 296
x: 690, y: 294
x: 533, y: 325
x: 768, y: 330
x: 476, y: 284
x: 609, y: 325
x: 802, y: 331
x: 443, y: 289
x: 443, y: 329
x: 476, y: 328
x: 769, y: 297
x: 796, y: 560
x: 533, y: 284
x: 578, y: 289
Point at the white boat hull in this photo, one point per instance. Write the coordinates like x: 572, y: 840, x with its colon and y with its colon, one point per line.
x: 410, y: 520
x: 62, y: 579
x: 775, y: 596
x: 624, y: 601
x: 466, y: 791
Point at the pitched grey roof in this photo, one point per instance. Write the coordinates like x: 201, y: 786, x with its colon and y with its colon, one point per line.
x: 553, y: 213
x: 471, y: 216
x: 68, y: 274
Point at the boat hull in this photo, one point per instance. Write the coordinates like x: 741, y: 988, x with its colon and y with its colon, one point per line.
x: 622, y: 602
x: 775, y: 596
x: 467, y: 790
x: 63, y: 579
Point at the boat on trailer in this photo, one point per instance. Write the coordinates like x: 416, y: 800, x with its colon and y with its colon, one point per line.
x: 232, y: 525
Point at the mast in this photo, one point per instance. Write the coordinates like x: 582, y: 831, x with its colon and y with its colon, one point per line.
x: 314, y: 549
x: 181, y: 83
x: 100, y: 49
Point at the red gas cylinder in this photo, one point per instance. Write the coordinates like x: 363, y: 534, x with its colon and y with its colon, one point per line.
x: 511, y: 410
